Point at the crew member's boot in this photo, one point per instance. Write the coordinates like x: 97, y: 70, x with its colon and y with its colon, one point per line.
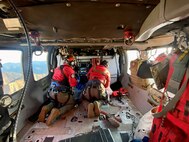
x: 53, y: 116
x: 97, y: 108
x: 90, y: 110
x: 44, y: 111
x: 113, y: 122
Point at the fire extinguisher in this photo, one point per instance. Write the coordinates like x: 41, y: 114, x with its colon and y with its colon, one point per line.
x: 129, y: 37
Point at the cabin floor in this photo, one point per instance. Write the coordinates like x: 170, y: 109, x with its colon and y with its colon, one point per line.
x: 75, y: 123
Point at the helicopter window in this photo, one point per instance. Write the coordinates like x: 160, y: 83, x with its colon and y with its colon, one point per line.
x: 131, y: 55
x: 152, y: 54
x: 12, y: 72
x: 39, y: 65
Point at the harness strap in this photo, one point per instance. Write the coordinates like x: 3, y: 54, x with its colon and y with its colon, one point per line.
x: 186, y: 109
x: 90, y: 97
x: 61, y: 69
x: 1, y: 81
x: 171, y: 105
x: 99, y: 96
x: 85, y: 98
x: 90, y: 85
x: 61, y: 105
x: 55, y: 96
x: 96, y: 84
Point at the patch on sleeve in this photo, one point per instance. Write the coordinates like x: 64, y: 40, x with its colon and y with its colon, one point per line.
x: 73, y: 76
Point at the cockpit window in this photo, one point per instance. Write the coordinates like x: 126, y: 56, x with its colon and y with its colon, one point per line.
x: 12, y: 71
x: 39, y: 65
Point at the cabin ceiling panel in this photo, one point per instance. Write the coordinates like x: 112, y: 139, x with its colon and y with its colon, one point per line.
x: 88, y: 20
x: 38, y: 2
x: 79, y: 19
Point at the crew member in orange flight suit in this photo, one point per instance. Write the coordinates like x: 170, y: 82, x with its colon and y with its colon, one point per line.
x: 62, y: 92
x: 99, y: 79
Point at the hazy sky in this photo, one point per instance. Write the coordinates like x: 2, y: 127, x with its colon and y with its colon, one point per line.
x: 15, y: 56
x: 10, y: 56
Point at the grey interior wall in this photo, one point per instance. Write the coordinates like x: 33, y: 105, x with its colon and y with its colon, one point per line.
x: 34, y: 97
x: 32, y: 102
x: 139, y: 98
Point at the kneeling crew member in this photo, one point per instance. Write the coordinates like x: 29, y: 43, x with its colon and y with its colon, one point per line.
x: 62, y: 92
x: 99, y: 79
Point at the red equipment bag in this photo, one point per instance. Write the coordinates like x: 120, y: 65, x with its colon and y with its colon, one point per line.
x: 121, y: 91
x: 171, y: 124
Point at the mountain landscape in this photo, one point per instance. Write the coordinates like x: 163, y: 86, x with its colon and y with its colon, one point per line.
x: 13, y: 75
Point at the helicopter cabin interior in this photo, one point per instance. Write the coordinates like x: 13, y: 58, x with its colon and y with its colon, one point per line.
x: 134, y: 36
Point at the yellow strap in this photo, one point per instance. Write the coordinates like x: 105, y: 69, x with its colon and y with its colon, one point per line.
x: 140, y: 61
x: 183, y: 54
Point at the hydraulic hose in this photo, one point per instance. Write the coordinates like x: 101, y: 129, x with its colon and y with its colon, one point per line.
x: 28, y: 68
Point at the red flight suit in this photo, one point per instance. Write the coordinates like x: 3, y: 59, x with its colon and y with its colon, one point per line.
x: 68, y: 72
x: 100, y: 73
